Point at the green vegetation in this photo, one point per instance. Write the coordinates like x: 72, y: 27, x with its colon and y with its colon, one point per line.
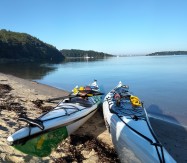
x: 21, y: 46
x: 74, y: 53
x: 24, y: 47
x: 168, y: 53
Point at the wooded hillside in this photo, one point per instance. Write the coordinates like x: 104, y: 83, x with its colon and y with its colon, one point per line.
x: 22, y: 46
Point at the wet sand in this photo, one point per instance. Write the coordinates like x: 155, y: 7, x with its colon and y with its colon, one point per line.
x: 90, y: 143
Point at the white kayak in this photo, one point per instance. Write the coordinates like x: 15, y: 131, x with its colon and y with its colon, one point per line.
x: 130, y: 129
x: 44, y: 133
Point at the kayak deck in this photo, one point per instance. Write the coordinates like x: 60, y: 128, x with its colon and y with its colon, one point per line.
x: 123, y: 106
x: 126, y: 109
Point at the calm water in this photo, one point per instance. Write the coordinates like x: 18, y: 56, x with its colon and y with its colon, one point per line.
x: 160, y: 81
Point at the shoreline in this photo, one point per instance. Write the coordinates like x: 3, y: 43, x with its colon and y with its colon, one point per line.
x: 172, y: 136
x: 38, y: 87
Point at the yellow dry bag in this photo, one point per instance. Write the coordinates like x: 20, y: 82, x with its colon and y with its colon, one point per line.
x: 135, y: 101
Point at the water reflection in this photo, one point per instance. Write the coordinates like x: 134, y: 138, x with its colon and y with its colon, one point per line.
x: 27, y: 70
x: 84, y: 59
x: 36, y: 70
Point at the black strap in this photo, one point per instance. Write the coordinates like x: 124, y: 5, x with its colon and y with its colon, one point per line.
x: 32, y: 122
x: 157, y: 144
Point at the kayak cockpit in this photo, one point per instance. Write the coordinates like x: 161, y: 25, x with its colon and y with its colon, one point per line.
x: 79, y: 101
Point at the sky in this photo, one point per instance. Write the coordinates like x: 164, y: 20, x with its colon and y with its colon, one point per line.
x: 111, y: 26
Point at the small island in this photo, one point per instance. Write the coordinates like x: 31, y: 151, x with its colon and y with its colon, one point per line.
x: 75, y: 53
x: 168, y: 53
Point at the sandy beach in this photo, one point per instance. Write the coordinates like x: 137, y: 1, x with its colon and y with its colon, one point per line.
x: 90, y: 143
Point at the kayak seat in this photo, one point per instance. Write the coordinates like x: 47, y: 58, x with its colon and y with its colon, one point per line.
x: 81, y: 102
x: 32, y: 122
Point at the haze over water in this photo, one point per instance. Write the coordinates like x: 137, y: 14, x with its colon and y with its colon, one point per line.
x: 159, y: 81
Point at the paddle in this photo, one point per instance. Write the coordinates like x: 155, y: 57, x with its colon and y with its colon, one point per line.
x: 81, y: 93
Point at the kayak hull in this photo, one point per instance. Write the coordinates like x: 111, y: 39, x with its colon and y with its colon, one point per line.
x: 42, y: 145
x: 131, y: 132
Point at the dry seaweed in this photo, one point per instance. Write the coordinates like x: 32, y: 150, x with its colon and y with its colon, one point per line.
x: 5, y: 87
x: 39, y: 104
x: 7, y: 100
x: 46, y: 108
x: 12, y: 106
x: 4, y: 90
x: 79, y: 143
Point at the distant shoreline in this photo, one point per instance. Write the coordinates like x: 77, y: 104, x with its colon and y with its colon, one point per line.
x: 167, y: 53
x: 148, y: 55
